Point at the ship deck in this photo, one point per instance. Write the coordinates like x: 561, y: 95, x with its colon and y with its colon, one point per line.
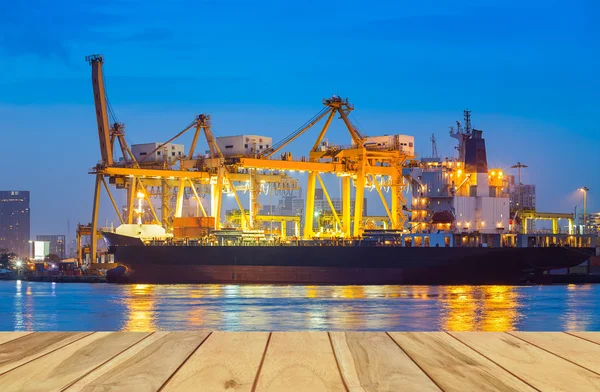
x: 299, y: 361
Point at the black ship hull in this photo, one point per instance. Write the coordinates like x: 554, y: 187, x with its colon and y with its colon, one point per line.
x: 333, y: 264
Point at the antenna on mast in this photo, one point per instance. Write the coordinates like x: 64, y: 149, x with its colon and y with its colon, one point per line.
x: 462, y: 134
x: 434, y: 152
x: 467, y: 114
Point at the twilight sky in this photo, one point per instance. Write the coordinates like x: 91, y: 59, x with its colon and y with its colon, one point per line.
x: 527, y: 69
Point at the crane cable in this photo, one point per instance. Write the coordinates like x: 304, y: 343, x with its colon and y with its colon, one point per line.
x: 294, y: 134
x: 359, y: 128
x: 111, y: 112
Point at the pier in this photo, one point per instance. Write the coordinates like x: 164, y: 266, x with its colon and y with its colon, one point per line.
x: 299, y: 361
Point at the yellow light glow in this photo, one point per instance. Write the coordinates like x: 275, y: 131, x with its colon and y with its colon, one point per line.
x: 140, y: 195
x: 493, y: 173
x: 459, y: 172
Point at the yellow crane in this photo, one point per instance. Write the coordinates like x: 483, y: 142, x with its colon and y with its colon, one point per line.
x: 361, y: 164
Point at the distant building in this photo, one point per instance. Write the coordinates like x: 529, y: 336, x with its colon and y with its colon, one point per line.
x: 41, y: 249
x: 528, y: 198
x: 592, y: 222
x: 15, y: 221
x: 322, y: 208
x: 56, y: 244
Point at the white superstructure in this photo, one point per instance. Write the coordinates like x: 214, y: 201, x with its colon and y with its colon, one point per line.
x: 146, y: 152
x: 243, y: 144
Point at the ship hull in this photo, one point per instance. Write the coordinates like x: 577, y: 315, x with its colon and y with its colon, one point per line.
x: 336, y: 265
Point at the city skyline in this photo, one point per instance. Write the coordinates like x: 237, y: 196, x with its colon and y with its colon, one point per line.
x: 407, y: 69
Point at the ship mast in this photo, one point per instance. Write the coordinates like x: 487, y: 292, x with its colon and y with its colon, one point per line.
x: 462, y: 134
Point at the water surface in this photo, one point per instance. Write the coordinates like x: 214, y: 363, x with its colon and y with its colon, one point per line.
x: 35, y: 306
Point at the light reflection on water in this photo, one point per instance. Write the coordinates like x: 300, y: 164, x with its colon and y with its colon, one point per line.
x: 69, y: 307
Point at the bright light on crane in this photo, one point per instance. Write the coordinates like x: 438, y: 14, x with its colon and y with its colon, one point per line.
x: 140, y: 196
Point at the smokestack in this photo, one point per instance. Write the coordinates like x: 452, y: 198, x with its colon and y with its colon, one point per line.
x: 475, y: 155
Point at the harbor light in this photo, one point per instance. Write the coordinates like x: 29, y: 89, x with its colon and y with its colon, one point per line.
x: 18, y: 263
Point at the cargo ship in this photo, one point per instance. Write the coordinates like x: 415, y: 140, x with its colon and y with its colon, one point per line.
x: 462, y: 230
x: 366, y: 261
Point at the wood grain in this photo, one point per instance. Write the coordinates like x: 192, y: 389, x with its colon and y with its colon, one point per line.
x: 299, y: 361
x: 454, y: 366
x: 20, y: 351
x: 54, y: 371
x: 8, y: 336
x: 115, y: 362
x: 372, y: 361
x: 591, y: 336
x: 151, y: 367
x: 543, y: 370
x: 582, y: 352
x: 227, y: 361
x: 304, y: 361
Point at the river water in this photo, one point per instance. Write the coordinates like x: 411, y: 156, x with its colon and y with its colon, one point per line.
x: 35, y: 306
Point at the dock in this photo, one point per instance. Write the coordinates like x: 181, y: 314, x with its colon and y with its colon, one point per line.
x: 299, y: 361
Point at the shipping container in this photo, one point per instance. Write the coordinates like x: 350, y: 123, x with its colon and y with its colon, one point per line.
x: 190, y: 232
x: 203, y: 222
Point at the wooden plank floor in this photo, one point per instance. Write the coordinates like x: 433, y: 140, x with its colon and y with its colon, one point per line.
x: 299, y: 361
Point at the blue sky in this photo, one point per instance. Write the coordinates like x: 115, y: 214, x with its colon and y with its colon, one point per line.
x: 527, y: 70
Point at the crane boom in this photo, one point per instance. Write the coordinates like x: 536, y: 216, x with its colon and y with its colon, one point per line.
x: 96, y: 61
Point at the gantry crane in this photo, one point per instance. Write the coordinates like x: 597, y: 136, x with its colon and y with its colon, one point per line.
x: 362, y: 164
x: 139, y: 177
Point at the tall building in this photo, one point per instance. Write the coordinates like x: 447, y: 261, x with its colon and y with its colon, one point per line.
x: 15, y: 221
x: 57, y: 244
x: 527, y: 200
x: 592, y: 223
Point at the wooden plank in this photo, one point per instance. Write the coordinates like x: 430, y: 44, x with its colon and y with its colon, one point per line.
x: 151, y: 367
x: 115, y: 362
x: 543, y: 370
x: 299, y: 361
x: 17, y: 352
x: 582, y: 352
x: 8, y: 336
x: 454, y: 366
x: 60, y: 368
x: 591, y: 336
x: 372, y: 361
x: 226, y: 361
